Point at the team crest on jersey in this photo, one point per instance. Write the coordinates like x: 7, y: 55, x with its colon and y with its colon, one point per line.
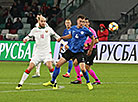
x: 69, y: 32
x: 46, y: 31
x: 73, y: 31
x: 82, y: 32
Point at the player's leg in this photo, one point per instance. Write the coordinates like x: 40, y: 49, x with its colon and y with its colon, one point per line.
x: 89, y: 62
x: 92, y: 73
x: 77, y: 69
x: 37, y: 74
x: 55, y: 73
x: 34, y: 61
x: 66, y: 57
x: 85, y: 74
x: 25, y: 75
x: 70, y: 65
x: 50, y: 67
x: 81, y: 60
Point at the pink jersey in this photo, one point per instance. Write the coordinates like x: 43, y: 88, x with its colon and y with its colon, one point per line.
x: 89, y: 39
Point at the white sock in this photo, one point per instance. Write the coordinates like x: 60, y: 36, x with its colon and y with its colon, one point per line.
x: 38, y: 69
x: 81, y: 73
x: 68, y: 73
x: 51, y: 74
x: 24, y: 77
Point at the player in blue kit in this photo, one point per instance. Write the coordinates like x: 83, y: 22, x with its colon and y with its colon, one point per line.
x: 62, y: 48
x: 78, y: 36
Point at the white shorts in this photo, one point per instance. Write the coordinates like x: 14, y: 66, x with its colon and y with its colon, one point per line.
x: 37, y: 58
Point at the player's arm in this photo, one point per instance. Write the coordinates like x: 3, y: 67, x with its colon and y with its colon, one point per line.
x: 69, y: 36
x: 91, y: 45
x: 96, y: 40
x: 57, y: 37
x: 29, y: 36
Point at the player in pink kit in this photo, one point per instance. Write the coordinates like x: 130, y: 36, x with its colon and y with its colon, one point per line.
x: 89, y: 59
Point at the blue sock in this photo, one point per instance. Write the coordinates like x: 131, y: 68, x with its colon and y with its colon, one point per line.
x: 70, y: 66
x: 55, y: 74
x: 85, y: 74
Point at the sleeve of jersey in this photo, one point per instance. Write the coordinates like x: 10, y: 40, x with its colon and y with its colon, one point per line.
x: 54, y: 34
x: 63, y: 33
x: 94, y: 32
x: 30, y: 35
x: 90, y: 34
x: 70, y: 30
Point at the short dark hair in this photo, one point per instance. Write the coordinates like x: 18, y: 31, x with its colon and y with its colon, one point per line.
x: 67, y: 19
x: 86, y: 18
x: 81, y: 16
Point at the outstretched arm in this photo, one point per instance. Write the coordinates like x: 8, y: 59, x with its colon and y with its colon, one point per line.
x: 69, y: 36
x: 27, y: 38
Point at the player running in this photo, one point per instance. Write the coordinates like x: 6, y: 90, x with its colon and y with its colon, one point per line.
x: 43, y: 51
x: 89, y: 59
x: 78, y: 36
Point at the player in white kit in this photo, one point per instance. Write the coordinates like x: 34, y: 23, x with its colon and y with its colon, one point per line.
x: 37, y: 73
x: 43, y: 51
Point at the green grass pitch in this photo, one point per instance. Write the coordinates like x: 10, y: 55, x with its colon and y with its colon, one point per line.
x: 119, y: 84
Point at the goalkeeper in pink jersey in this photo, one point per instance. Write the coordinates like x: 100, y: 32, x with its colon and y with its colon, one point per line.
x: 89, y: 59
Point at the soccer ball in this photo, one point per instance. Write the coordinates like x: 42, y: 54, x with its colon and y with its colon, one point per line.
x: 113, y: 26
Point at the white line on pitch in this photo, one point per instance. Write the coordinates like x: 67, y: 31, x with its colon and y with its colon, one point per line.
x: 69, y: 83
x: 60, y: 87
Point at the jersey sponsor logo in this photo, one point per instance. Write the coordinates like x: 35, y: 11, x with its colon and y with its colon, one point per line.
x: 69, y: 32
x: 82, y: 32
x: 73, y: 31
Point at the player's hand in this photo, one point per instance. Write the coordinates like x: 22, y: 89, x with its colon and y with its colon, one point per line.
x: 59, y: 39
x: 85, y: 45
x: 89, y: 52
x: 66, y: 47
x: 60, y: 49
x: 25, y: 40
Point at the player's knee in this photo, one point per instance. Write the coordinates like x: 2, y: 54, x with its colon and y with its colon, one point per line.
x: 75, y: 62
x: 31, y: 66
x: 57, y: 65
x: 82, y: 66
x: 87, y: 67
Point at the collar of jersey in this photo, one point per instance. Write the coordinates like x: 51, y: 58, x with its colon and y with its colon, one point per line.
x: 41, y: 27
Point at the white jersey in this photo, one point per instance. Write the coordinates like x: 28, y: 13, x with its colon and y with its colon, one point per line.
x: 42, y: 39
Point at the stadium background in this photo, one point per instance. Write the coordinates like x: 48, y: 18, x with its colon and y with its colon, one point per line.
x: 119, y: 80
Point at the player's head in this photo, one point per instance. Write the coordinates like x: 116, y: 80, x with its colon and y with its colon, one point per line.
x: 68, y: 23
x: 38, y: 16
x: 87, y: 23
x: 80, y: 21
x: 42, y: 22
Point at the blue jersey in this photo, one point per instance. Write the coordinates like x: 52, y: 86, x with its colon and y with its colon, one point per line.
x: 66, y: 32
x: 79, y: 36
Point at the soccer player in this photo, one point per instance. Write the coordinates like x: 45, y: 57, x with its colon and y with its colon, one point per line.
x: 78, y: 36
x: 66, y: 32
x: 89, y: 59
x: 43, y: 51
x: 37, y: 73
